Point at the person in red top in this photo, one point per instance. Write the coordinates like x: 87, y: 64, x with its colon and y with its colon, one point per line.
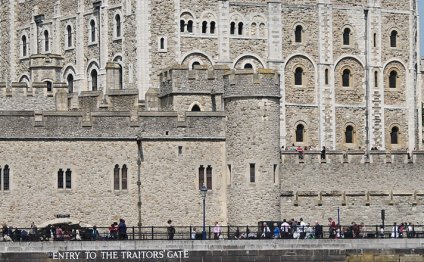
x: 299, y: 149
x: 332, y: 227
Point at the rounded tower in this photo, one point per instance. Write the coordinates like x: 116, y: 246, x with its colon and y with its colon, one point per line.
x: 252, y: 146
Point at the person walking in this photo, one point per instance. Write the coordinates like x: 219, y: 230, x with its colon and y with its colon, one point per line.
x: 170, y: 229
x: 216, y: 231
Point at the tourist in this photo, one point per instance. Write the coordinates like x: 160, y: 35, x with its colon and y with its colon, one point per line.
x: 276, y: 231
x: 122, y: 229
x: 285, y: 229
x: 170, y: 229
x: 216, y: 231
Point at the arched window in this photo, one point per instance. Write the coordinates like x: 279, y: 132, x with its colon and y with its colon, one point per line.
x: 393, y: 79
x: 93, y: 31
x: 248, y: 66
x: 300, y: 129
x: 196, y: 108
x: 394, y: 136
x: 118, y: 25
x: 346, y: 36
x: 60, y: 178
x: 68, y: 178
x: 298, y: 76
x: 326, y: 76
x: 298, y: 34
x: 346, y: 78
x: 69, y: 36
x: 204, y: 27
x: 201, y: 176
x: 393, y: 38
x: 124, y: 179
x: 349, y: 135
x: 162, y: 43
x: 93, y: 80
x: 209, y: 177
x: 212, y: 29
x: 70, y: 80
x: 240, y: 28
x: 195, y: 64
x: 182, y: 24
x: 190, y: 26
x: 232, y: 28
x: 46, y: 41
x: 116, y: 177
x: 24, y: 46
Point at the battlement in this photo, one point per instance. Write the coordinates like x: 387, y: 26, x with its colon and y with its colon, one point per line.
x: 376, y: 157
x: 201, y: 80
x: 247, y: 82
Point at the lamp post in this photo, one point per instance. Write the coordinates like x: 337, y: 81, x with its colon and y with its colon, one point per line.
x: 203, y: 192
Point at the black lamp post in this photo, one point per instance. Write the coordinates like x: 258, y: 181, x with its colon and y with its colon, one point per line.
x: 203, y: 192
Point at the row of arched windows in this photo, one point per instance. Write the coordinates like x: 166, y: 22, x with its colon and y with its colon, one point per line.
x: 349, y: 134
x: 346, y: 78
x: 70, y: 36
x: 210, y: 27
x: 347, y: 32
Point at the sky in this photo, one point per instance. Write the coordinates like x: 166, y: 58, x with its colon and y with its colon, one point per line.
x: 421, y: 12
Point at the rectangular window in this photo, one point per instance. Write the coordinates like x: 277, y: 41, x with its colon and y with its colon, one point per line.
x: 68, y: 175
x: 60, y: 178
x: 229, y: 174
x: 201, y: 176
x: 0, y: 178
x: 275, y: 173
x: 209, y: 177
x: 6, y: 178
x: 180, y: 150
x: 252, y: 173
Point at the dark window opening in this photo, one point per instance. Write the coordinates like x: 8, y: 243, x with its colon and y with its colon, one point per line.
x: 240, y: 28
x: 195, y: 64
x: 190, y: 26
x: 393, y: 38
x: 252, y: 173
x: 349, y: 135
x: 24, y: 46
x: 232, y: 28
x: 46, y: 41
x: 93, y: 80
x: 209, y: 177
x: 275, y: 172
x: 118, y: 25
x: 60, y: 178
x: 346, y: 36
x: 195, y: 108
x: 182, y: 24
x: 93, y: 30
x: 394, y: 136
x: 69, y: 35
x: 116, y: 177
x: 376, y: 79
x: 68, y: 178
x: 6, y: 178
x: 162, y: 43
x: 121, y: 78
x: 248, y: 66
x: 124, y: 177
x: 326, y: 76
x: 298, y: 76
x: 180, y: 150
x: 49, y: 86
x: 346, y: 78
x: 393, y: 79
x: 298, y: 34
x: 201, y: 176
x: 70, y: 80
x: 375, y: 40
x: 212, y: 29
x: 300, y: 129
x: 204, y: 27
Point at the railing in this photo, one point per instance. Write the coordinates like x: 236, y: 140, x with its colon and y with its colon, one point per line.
x: 72, y: 232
